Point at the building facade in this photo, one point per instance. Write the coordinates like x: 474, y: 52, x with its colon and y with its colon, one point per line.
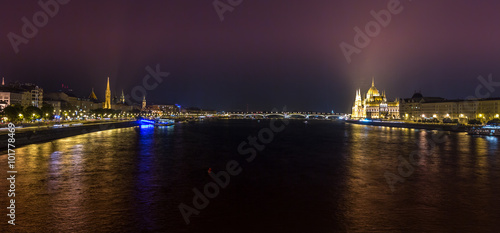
x: 374, y: 105
x: 69, y: 102
x: 56, y: 104
x: 165, y: 109
x: 9, y: 97
x: 25, y: 94
x: 425, y: 108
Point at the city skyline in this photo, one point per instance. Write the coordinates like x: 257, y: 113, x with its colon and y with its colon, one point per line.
x: 250, y: 116
x: 253, y: 57
x: 108, y: 96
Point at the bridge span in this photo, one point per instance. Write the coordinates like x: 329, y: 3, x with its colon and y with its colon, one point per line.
x: 297, y: 115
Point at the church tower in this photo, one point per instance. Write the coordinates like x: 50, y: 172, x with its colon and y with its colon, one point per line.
x: 92, y: 96
x: 107, y: 102
x: 357, y: 109
x: 122, y: 98
x: 144, y: 103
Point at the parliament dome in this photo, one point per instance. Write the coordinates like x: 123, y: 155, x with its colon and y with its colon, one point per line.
x: 373, y: 90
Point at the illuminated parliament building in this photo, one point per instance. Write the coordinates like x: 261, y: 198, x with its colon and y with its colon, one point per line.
x: 374, y: 105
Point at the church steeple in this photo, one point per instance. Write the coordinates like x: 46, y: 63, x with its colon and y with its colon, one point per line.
x: 358, y: 95
x: 144, y: 103
x: 107, y: 102
x: 92, y: 95
x: 122, y: 98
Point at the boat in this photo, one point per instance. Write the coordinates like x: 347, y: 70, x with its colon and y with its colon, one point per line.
x: 164, y: 122
x: 157, y: 122
x: 488, y: 130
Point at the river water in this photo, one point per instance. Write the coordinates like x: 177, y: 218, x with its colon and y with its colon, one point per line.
x: 320, y: 176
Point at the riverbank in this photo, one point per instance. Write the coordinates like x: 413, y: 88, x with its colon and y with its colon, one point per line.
x: 443, y: 127
x: 37, y: 135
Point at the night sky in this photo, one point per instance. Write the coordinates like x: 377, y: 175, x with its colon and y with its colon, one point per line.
x: 265, y: 53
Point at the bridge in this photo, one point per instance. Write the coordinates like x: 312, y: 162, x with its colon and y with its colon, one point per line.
x: 253, y: 115
x: 288, y: 115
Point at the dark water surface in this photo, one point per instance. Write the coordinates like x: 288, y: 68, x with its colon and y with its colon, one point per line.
x: 322, y: 176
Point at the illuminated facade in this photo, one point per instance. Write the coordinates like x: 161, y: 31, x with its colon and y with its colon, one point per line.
x: 374, y: 105
x: 24, y: 94
x: 428, y: 108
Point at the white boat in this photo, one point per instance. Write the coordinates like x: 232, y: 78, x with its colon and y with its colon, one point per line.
x: 164, y: 122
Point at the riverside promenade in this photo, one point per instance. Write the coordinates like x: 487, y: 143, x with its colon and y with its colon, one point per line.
x: 428, y: 126
x: 30, y: 135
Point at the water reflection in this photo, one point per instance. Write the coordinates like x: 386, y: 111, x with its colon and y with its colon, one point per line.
x: 144, y: 182
x: 322, y: 177
x: 450, y: 184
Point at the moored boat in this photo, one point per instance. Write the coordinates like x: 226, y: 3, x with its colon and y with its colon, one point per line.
x: 157, y: 122
x: 164, y: 122
x: 488, y: 130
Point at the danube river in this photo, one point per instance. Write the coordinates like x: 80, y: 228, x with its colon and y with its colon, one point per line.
x: 320, y: 176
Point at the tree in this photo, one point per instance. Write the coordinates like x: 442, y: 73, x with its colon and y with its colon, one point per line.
x: 101, y: 112
x: 474, y: 122
x: 12, y: 112
x: 47, y: 111
x: 32, y: 113
x: 447, y: 120
x: 495, y: 121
